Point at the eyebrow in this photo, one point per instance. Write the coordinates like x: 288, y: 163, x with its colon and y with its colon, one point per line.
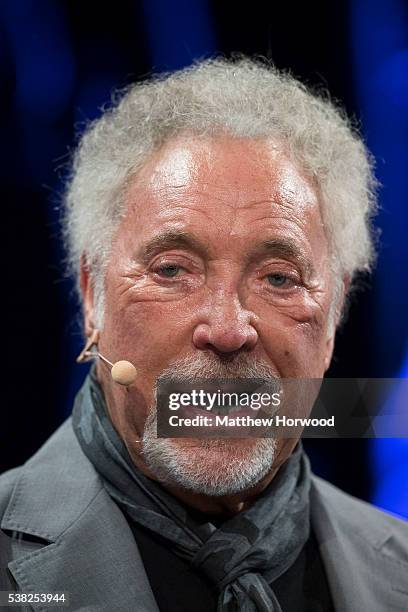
x: 170, y: 239
x: 275, y: 247
x: 281, y: 247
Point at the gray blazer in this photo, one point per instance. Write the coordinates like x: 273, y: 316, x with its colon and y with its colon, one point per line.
x: 80, y: 542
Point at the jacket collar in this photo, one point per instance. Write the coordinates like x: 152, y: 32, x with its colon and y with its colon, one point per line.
x: 90, y: 552
x: 75, y: 484
x: 361, y: 551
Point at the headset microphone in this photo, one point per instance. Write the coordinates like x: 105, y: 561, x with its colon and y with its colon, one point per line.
x: 122, y: 372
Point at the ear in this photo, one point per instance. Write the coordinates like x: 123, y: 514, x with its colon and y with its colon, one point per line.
x: 344, y: 289
x: 87, y: 296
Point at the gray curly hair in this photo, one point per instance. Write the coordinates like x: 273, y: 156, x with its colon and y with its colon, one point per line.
x: 243, y: 97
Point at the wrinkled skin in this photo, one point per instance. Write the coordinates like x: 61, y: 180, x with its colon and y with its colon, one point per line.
x: 223, y: 294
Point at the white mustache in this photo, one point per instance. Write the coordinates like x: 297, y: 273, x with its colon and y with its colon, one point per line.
x: 201, y: 366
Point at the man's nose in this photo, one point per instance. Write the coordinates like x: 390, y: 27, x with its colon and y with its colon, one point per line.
x: 227, y: 327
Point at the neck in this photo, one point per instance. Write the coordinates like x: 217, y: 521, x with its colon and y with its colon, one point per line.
x: 228, y: 505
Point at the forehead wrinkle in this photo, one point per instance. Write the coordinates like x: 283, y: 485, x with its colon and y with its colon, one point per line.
x: 232, y: 196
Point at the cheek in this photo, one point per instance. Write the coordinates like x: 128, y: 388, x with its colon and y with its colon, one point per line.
x: 148, y: 333
x: 295, y: 344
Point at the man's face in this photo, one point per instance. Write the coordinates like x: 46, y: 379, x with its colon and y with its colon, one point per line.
x: 221, y: 260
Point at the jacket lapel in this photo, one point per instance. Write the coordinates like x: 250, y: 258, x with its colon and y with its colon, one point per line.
x: 90, y: 552
x: 358, y: 552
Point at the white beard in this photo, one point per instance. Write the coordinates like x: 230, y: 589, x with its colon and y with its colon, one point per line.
x: 209, y: 466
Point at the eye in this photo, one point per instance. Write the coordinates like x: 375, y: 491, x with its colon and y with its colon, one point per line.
x: 169, y: 270
x: 277, y: 279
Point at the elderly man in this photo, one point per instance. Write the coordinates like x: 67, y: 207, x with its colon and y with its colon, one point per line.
x: 215, y: 220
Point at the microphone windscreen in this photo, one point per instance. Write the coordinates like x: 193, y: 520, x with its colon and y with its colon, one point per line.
x: 123, y: 372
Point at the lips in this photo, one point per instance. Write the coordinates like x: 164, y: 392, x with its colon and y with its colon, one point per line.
x: 235, y: 411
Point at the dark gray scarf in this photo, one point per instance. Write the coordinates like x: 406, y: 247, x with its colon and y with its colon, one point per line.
x: 242, y: 556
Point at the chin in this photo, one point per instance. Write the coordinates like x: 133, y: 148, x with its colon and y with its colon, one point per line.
x: 212, y: 467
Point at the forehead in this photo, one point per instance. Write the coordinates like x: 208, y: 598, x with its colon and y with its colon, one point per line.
x: 225, y: 185
x: 225, y: 162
